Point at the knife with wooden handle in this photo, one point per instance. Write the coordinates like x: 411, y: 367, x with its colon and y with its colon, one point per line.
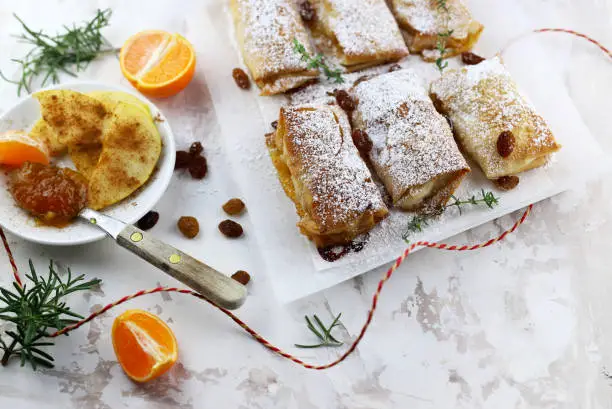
x: 214, y: 286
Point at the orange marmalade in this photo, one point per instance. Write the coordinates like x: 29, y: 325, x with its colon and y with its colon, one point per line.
x: 53, y: 195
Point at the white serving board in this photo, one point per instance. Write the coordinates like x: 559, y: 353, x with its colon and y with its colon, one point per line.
x: 291, y: 261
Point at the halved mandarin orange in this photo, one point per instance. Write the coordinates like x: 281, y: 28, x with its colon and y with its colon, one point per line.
x: 145, y: 346
x: 159, y: 64
x: 17, y: 147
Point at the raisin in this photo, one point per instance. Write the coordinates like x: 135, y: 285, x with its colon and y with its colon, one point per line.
x: 147, y: 221
x: 198, y: 167
x: 395, y: 67
x: 274, y: 124
x: 362, y: 141
x: 469, y: 58
x: 233, y: 206
x: 344, y: 100
x: 242, y: 277
x: 450, y: 123
x: 230, y: 228
x: 507, y: 182
x: 505, y: 144
x: 307, y: 12
x: 361, y: 79
x: 183, y: 159
x: 195, y: 149
x: 189, y: 226
x: 242, y: 80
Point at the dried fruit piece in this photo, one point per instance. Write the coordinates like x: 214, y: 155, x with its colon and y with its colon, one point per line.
x: 307, y: 12
x: 198, y: 167
x: 344, y: 100
x: 230, y: 228
x: 469, y: 58
x: 361, y: 79
x: 183, y: 159
x: 242, y: 277
x: 507, y: 182
x: 395, y: 67
x: 274, y: 124
x: 362, y: 141
x: 196, y: 148
x: 505, y: 144
x: 242, y: 80
x: 233, y: 206
x: 189, y: 226
x: 147, y: 221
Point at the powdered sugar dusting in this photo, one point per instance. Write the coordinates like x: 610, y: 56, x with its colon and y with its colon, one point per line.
x: 412, y: 142
x: 362, y: 28
x: 268, y: 28
x: 331, y: 168
x: 424, y: 17
x: 482, y: 100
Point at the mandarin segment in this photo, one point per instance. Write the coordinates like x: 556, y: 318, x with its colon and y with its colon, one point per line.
x: 145, y: 346
x: 16, y: 148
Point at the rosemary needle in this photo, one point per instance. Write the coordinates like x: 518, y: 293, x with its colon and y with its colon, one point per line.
x: 68, y: 52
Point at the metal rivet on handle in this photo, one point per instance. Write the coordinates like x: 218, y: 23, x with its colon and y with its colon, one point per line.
x: 174, y: 258
x: 136, y: 236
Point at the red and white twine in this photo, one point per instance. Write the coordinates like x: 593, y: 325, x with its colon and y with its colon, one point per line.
x: 375, y: 297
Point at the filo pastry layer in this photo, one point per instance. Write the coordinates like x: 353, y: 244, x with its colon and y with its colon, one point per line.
x: 265, y: 31
x: 360, y: 33
x: 483, y: 101
x: 413, y: 150
x: 423, y: 20
x: 321, y: 171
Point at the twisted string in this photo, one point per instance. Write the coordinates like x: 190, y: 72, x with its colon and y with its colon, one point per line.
x: 278, y: 351
x: 11, y: 258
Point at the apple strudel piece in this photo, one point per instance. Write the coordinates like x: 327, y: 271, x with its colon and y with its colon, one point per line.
x: 424, y: 20
x: 321, y: 171
x: 492, y: 121
x: 265, y: 31
x: 412, y: 149
x: 360, y: 33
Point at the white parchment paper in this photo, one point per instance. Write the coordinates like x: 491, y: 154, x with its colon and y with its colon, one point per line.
x: 295, y: 268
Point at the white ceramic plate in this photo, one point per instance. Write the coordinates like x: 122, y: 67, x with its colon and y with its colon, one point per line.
x: 22, y: 116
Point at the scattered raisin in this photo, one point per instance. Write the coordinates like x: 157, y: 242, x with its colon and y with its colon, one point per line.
x: 395, y: 67
x: 469, y: 58
x: 189, y: 226
x: 507, y: 182
x: 230, y: 228
x: 450, y: 123
x: 183, y: 159
x: 505, y: 144
x: 307, y: 12
x: 344, y: 100
x: 195, y: 149
x: 233, y: 206
x: 361, y: 79
x: 242, y: 80
x: 147, y: 221
x: 198, y: 167
x: 362, y: 141
x: 242, y: 277
x: 274, y: 124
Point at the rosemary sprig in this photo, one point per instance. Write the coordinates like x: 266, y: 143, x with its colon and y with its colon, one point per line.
x: 419, y: 222
x: 68, y: 52
x: 317, y: 62
x: 33, y: 310
x: 323, y: 332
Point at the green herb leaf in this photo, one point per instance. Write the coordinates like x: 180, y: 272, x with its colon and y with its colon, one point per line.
x: 317, y: 62
x: 323, y: 333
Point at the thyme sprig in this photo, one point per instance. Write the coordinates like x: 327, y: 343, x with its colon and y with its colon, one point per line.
x: 323, y: 332
x: 419, y: 222
x: 317, y: 62
x: 33, y: 309
x: 68, y: 52
x: 443, y: 36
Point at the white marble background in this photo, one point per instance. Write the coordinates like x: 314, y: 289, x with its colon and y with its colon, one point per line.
x: 525, y: 324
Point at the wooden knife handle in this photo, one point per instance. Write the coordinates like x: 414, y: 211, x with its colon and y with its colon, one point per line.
x: 218, y: 288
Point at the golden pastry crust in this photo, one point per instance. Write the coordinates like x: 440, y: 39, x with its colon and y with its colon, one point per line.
x: 413, y: 150
x: 321, y: 171
x: 359, y: 33
x: 265, y: 30
x: 422, y: 22
x: 483, y: 101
